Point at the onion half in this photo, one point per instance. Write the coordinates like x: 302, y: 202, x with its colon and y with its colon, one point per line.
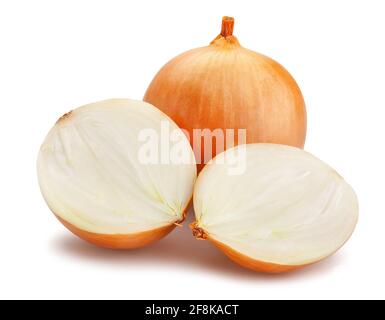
x: 94, y: 180
x: 287, y: 210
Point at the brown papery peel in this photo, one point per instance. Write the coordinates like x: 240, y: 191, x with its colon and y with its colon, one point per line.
x: 119, y: 241
x: 239, y: 258
x: 226, y: 86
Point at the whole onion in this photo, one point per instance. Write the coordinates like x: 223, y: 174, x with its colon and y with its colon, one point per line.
x: 226, y: 86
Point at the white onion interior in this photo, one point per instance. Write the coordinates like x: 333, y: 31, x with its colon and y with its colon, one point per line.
x: 90, y: 174
x: 287, y: 208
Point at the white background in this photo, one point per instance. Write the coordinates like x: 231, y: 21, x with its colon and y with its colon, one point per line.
x: 57, y: 55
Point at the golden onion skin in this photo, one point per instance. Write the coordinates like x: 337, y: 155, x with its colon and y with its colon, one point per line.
x: 241, y: 259
x: 119, y: 241
x: 225, y: 86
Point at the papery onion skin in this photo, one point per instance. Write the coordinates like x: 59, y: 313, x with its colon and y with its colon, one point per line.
x: 254, y: 265
x: 65, y: 154
x: 119, y: 241
x: 226, y: 86
x: 241, y: 259
x: 260, y: 266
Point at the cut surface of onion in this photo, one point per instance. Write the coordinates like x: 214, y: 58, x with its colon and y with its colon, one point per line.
x: 93, y: 179
x: 286, y: 210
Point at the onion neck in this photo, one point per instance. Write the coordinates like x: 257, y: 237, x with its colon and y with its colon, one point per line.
x: 227, y: 27
x: 226, y: 39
